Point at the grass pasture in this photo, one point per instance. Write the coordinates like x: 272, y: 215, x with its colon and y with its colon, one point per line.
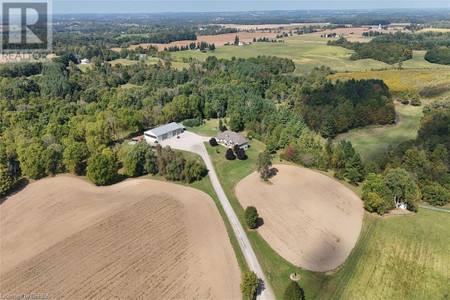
x: 309, y: 51
x: 371, y: 142
x: 406, y: 258
x: 306, y: 51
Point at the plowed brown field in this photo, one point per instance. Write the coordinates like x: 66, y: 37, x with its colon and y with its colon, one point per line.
x: 218, y: 40
x: 140, y: 239
x: 310, y: 219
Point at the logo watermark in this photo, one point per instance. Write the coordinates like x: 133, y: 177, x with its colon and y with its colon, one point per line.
x: 26, y: 29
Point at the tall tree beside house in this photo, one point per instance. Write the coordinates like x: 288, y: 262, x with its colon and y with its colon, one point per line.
x: 236, y: 40
x: 403, y: 187
x: 264, y: 164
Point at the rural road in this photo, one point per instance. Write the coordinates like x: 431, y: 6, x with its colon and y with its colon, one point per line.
x: 192, y: 142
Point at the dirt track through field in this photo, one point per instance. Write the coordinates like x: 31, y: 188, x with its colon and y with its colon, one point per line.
x: 139, y: 239
x: 309, y: 219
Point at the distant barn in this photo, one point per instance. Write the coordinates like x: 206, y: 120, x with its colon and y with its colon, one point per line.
x: 164, y: 132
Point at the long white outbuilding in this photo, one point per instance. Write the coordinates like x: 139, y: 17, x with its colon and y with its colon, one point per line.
x: 164, y: 132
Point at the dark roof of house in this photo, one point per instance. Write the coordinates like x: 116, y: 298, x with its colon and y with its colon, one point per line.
x: 165, y: 129
x: 234, y: 137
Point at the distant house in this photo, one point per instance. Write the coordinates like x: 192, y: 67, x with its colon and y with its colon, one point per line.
x: 142, y: 55
x: 84, y: 61
x: 164, y: 132
x: 230, y: 139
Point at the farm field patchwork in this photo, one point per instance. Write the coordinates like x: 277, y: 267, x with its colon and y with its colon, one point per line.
x: 309, y: 51
x: 406, y: 258
x: 139, y: 238
x: 309, y: 219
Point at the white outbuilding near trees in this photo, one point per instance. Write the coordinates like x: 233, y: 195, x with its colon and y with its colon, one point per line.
x: 164, y: 132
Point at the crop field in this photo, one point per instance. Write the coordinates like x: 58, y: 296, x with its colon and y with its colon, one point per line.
x: 401, y: 80
x: 309, y: 219
x: 137, y: 239
x: 218, y: 40
x: 406, y: 258
x: 371, y: 142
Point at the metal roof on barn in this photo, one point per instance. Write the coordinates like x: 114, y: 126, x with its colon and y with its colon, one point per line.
x: 158, y: 131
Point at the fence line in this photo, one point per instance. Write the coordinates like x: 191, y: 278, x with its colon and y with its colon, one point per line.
x: 435, y: 209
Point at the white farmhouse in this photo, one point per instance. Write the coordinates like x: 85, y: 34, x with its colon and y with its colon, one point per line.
x: 230, y: 139
x: 164, y: 132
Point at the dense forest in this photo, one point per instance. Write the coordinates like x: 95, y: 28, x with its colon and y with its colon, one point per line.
x: 394, y: 48
x: 336, y: 108
x: 55, y: 118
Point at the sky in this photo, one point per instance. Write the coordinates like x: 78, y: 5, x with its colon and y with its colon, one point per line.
x: 152, y: 6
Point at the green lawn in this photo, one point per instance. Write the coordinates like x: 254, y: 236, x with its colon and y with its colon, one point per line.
x: 371, y: 142
x: 406, y: 258
x: 209, y: 129
x: 277, y: 269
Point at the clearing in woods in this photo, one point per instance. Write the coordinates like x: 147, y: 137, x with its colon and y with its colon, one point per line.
x: 372, y: 141
x: 308, y: 218
x: 136, y: 239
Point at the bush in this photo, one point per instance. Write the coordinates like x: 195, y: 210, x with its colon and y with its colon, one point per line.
x: 230, y: 155
x: 102, y: 168
x: 213, y: 142
x: 241, y: 154
x: 193, y: 122
x: 339, y: 175
x: 249, y: 284
x: 251, y: 217
x: 435, y: 195
x: 194, y: 170
x: 289, y: 153
x: 140, y: 160
x: 374, y: 203
x: 253, y: 135
x: 293, y: 292
x: 438, y: 55
x: 175, y: 167
x: 236, y: 149
x: 6, y: 181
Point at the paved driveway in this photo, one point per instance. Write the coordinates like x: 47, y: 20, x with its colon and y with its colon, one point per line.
x: 192, y: 142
